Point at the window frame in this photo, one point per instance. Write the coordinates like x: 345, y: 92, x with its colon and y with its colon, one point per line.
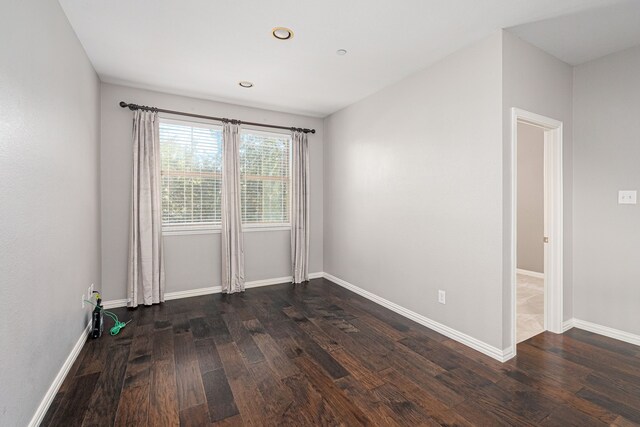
x: 213, y: 228
x: 271, y: 226
x: 190, y: 228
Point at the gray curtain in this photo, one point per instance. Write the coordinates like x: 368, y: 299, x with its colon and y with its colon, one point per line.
x: 146, y: 264
x: 232, y: 245
x: 300, y: 208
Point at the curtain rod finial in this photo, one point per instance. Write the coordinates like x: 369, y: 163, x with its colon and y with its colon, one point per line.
x: 123, y: 104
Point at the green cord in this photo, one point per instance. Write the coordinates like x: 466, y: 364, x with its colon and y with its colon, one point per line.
x: 118, y: 324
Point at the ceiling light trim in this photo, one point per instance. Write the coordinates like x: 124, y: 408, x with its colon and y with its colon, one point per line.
x: 282, y: 33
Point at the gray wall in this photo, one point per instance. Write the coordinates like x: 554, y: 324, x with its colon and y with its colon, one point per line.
x: 537, y: 82
x: 413, y: 196
x: 530, y: 207
x: 607, y: 159
x: 192, y: 261
x: 49, y: 199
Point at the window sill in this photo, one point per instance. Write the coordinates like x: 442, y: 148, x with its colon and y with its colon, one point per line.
x: 183, y: 231
x: 253, y: 228
x: 265, y: 227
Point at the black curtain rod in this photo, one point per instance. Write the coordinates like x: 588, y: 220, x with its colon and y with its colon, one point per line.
x: 134, y: 107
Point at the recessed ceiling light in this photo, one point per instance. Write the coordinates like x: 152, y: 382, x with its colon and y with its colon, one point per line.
x: 341, y: 52
x: 282, y: 33
x: 245, y: 84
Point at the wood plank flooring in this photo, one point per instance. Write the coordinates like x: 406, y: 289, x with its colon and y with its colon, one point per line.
x: 318, y: 354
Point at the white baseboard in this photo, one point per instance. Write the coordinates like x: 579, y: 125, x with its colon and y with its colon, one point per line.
x: 278, y: 280
x: 567, y: 324
x: 114, y: 303
x: 482, y: 347
x: 212, y: 290
x: 191, y: 293
x: 59, y: 379
x: 530, y: 273
x: 616, y: 334
x: 268, y: 282
x: 507, y: 354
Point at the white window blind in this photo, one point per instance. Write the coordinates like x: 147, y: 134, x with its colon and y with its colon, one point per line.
x: 265, y: 177
x: 191, y: 164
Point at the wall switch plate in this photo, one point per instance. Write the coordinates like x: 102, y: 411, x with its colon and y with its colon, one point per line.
x: 627, y: 197
x: 442, y: 297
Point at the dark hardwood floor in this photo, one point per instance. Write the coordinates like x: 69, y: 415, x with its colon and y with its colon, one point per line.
x: 318, y: 354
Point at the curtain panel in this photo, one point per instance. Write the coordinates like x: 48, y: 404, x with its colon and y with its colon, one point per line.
x: 231, y: 240
x: 146, y: 281
x: 300, y: 207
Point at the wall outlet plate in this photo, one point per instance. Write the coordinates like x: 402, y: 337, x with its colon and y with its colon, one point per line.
x: 442, y: 297
x: 83, y: 301
x: 627, y: 197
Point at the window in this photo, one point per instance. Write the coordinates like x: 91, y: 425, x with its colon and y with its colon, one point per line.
x: 265, y: 177
x: 191, y: 166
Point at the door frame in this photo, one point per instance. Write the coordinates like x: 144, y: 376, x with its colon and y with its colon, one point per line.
x: 553, y: 212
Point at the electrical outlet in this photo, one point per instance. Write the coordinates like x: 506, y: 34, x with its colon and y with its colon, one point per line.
x: 627, y: 197
x: 83, y: 301
x: 442, y: 297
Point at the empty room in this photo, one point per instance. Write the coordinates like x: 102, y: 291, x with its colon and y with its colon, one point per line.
x: 319, y: 213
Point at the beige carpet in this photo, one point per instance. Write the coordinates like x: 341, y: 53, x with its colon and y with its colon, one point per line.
x: 530, y: 312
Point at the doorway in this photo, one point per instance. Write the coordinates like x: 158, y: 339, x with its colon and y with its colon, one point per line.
x: 530, y: 232
x: 536, y: 225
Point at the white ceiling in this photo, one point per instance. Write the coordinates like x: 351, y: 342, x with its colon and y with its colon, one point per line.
x: 587, y: 35
x: 203, y: 48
